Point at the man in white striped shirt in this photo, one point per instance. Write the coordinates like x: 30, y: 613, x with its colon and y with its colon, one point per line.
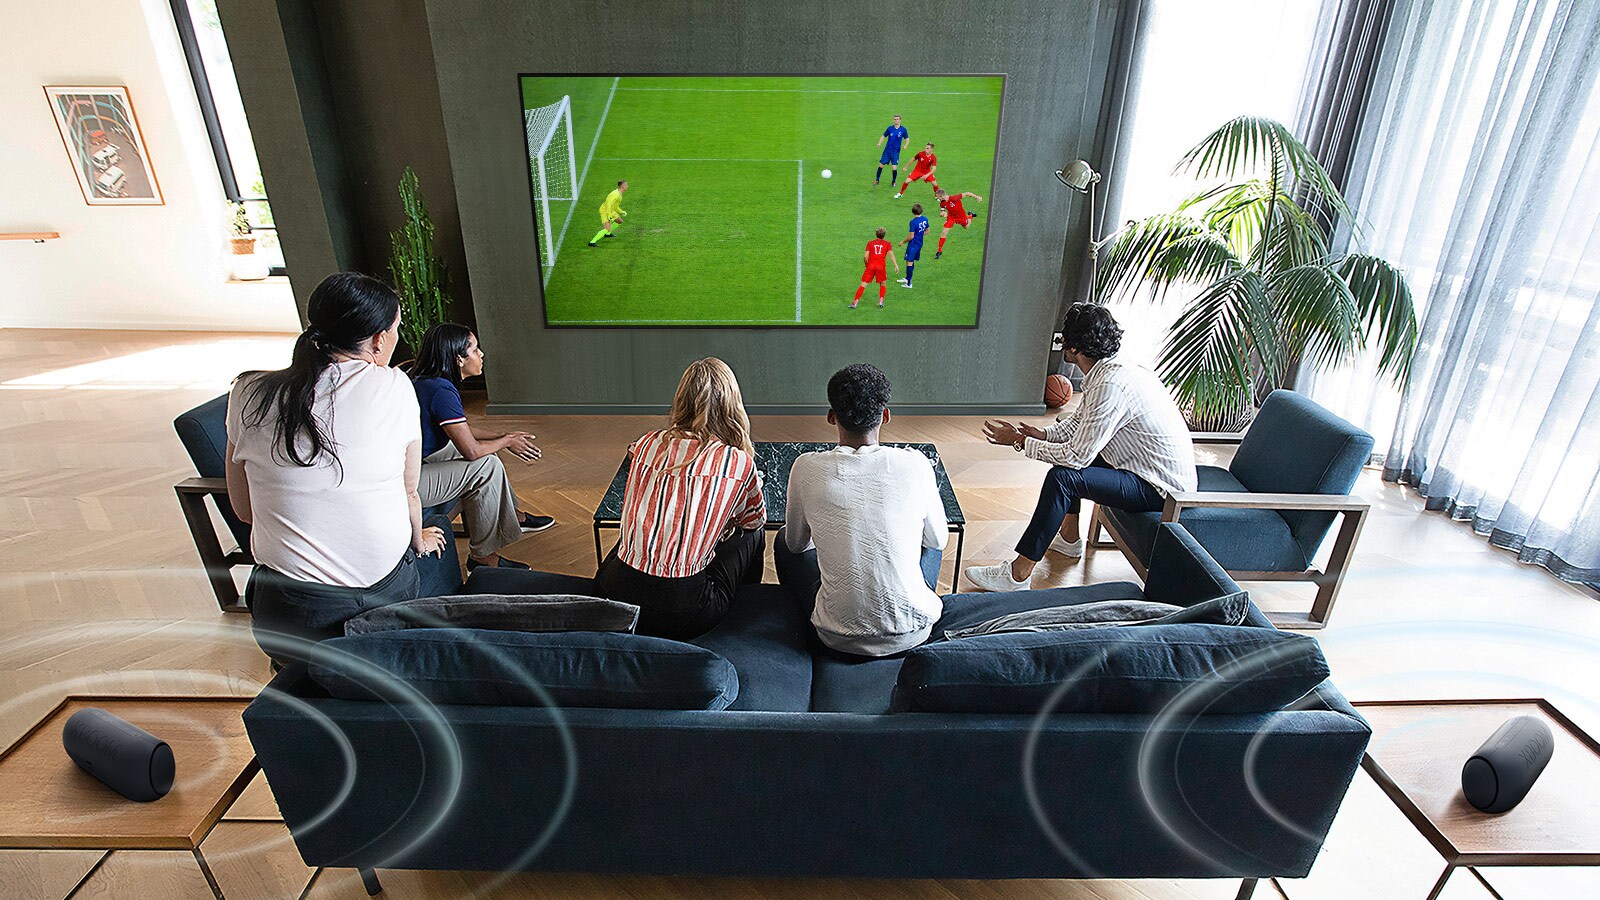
x: 1127, y: 446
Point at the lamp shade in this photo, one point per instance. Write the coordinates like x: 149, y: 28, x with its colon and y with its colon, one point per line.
x: 1077, y: 175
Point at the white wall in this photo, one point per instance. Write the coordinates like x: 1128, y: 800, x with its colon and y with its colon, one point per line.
x: 158, y: 267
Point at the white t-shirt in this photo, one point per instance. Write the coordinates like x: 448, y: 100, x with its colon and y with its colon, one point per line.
x: 869, y: 511
x: 346, y: 524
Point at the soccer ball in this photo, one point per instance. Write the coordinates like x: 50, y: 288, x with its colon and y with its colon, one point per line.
x: 827, y: 173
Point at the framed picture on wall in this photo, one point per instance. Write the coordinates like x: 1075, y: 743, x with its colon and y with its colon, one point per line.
x: 104, y: 144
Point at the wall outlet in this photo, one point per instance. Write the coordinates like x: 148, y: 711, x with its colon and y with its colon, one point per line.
x: 1055, y: 342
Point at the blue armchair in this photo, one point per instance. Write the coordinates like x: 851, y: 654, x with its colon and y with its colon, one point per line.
x: 1264, y: 517
x: 204, y: 433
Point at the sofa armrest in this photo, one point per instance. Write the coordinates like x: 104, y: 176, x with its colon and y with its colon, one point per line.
x: 1179, y: 501
x: 213, y: 486
x: 1216, y: 437
x: 1181, y: 571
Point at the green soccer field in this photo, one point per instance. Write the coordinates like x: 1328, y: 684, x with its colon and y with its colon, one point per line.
x: 730, y: 221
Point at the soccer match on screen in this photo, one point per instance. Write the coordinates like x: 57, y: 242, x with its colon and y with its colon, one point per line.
x: 761, y: 201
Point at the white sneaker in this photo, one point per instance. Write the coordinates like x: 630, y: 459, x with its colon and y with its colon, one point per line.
x: 1073, y: 550
x: 903, y: 283
x: 995, y: 578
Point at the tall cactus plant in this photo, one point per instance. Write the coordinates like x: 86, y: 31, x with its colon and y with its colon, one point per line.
x: 420, y: 276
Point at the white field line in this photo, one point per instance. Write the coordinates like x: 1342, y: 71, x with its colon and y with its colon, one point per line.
x: 717, y: 324
x: 692, y: 159
x: 578, y: 191
x: 799, y: 205
x: 804, y: 91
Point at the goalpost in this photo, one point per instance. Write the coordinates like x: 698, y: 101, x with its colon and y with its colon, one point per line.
x: 553, y: 165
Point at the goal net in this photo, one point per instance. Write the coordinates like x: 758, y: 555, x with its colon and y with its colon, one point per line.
x: 553, y: 166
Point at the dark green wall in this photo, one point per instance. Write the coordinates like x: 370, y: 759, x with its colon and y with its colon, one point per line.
x: 341, y: 96
x: 1052, y: 52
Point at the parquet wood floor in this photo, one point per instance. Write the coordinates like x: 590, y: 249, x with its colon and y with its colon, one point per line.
x: 101, y: 591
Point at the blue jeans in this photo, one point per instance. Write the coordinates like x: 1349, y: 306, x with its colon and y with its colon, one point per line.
x: 1065, y: 488
x: 800, y: 573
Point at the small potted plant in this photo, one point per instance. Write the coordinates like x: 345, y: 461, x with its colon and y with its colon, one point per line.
x: 246, y: 265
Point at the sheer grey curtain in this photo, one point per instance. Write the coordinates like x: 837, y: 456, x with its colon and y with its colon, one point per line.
x: 1476, y: 168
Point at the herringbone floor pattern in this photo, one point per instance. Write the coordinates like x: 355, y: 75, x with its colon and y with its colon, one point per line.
x: 101, y: 592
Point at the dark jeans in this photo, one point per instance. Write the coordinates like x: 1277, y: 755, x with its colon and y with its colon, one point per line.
x: 1063, y: 490
x: 684, y: 608
x: 287, y: 612
x: 800, y: 573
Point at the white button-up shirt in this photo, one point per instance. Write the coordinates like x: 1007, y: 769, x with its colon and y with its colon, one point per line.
x: 1128, y: 418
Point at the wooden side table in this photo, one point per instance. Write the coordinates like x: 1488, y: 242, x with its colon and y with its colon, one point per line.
x: 1416, y: 754
x: 52, y: 805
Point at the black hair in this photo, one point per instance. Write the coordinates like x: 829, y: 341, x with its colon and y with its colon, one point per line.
x: 916, y: 209
x: 344, y: 310
x: 859, y: 394
x: 622, y: 182
x: 438, y: 356
x: 1089, y: 329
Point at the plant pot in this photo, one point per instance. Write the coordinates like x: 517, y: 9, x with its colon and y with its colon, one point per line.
x: 247, y: 265
x: 243, y: 245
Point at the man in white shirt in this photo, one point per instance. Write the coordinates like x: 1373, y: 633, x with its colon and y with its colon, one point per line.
x: 865, y: 530
x: 1127, y: 446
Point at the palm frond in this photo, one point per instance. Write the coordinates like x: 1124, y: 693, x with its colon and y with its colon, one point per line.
x: 1249, y: 143
x: 1319, y: 317
x: 1211, y: 351
x: 1126, y: 259
x: 1385, y: 309
x: 1296, y: 238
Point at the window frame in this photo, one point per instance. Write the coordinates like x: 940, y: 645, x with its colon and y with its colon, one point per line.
x: 189, y: 38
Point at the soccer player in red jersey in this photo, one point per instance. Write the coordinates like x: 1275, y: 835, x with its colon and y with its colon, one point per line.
x: 922, y: 167
x: 878, y: 254
x: 954, y: 214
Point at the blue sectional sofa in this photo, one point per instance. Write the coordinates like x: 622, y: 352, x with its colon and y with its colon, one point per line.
x: 809, y: 773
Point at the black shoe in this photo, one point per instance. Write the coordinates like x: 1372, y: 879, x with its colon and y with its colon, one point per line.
x: 936, y: 254
x: 532, y: 524
x: 593, y: 244
x: 610, y: 235
x: 504, y: 563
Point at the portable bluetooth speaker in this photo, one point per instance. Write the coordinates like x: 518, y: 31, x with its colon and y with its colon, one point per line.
x: 1499, y: 775
x: 129, y: 760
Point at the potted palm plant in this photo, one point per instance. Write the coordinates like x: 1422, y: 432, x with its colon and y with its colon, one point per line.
x: 1272, y: 297
x: 246, y: 265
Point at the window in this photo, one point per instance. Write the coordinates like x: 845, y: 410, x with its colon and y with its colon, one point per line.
x: 200, y: 31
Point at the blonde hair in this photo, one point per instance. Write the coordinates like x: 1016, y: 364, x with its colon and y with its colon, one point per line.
x: 708, y: 406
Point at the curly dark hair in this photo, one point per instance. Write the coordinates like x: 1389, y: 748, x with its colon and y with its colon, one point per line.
x: 1090, y: 330
x: 859, y: 394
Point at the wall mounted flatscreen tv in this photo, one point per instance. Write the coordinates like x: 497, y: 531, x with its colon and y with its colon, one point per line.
x: 754, y: 201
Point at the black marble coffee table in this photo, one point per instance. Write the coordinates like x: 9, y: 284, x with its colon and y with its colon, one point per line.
x: 775, y: 458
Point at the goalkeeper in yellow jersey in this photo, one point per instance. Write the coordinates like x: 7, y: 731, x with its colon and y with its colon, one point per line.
x: 611, y: 213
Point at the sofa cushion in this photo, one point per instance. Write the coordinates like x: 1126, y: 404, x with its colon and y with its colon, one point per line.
x: 1254, y: 540
x: 1118, y: 670
x: 500, y: 612
x: 1227, y: 610
x: 508, y: 668
x: 1294, y: 446
x: 858, y: 684
x: 764, y: 636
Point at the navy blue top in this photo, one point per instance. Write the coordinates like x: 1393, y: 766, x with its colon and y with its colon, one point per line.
x: 918, y: 228
x: 441, y: 405
x: 896, y: 135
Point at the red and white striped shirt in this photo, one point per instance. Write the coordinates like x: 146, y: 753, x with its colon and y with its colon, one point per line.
x: 674, y: 514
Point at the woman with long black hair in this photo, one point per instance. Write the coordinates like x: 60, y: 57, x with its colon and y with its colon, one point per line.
x: 323, y: 460
x: 459, y: 459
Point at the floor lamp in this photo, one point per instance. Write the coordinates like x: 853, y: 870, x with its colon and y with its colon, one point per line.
x: 1081, y: 177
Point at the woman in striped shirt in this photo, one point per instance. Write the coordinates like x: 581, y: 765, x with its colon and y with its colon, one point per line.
x: 693, y: 517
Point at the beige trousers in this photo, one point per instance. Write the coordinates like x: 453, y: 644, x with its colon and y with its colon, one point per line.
x: 488, y: 505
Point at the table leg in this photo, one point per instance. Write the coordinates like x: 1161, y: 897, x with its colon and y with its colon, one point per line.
x: 597, y: 559
x: 206, y: 871
x: 89, y: 874
x: 1438, y: 886
x: 955, y: 576
x: 1246, y: 889
x: 1486, y: 885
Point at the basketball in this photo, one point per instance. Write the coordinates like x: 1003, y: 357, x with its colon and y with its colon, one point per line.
x: 1057, y: 391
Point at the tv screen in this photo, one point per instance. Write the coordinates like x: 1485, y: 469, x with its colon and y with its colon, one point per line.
x: 716, y: 201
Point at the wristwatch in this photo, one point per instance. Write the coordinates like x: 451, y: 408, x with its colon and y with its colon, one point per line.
x: 1019, y: 443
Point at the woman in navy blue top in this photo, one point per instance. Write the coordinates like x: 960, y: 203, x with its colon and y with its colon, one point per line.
x: 459, y: 461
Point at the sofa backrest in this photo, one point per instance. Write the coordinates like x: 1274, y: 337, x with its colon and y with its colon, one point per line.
x: 1295, y: 446
x: 204, y: 432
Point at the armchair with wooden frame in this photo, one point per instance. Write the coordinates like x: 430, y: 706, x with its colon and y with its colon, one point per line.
x: 1265, y: 516
x: 204, y: 433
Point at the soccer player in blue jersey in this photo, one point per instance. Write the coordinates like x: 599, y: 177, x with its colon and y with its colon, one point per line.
x: 913, y: 241
x: 896, y: 137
